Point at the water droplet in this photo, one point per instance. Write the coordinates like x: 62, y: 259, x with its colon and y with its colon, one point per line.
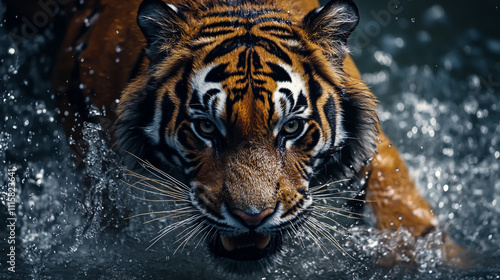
x: 399, y: 42
x: 12, y: 51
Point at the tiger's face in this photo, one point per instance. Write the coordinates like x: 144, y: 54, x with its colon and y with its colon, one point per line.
x: 249, y: 100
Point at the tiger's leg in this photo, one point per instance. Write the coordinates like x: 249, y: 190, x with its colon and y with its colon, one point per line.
x: 396, y: 202
x: 392, y: 194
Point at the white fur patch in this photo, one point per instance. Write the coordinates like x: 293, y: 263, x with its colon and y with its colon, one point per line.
x: 173, y: 7
x: 153, y: 129
x: 296, y: 86
x: 340, y: 133
x: 215, y: 106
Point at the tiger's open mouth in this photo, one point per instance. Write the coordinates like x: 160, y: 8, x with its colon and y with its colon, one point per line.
x: 251, y: 246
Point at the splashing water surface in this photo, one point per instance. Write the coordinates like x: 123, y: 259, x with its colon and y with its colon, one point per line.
x: 438, y: 82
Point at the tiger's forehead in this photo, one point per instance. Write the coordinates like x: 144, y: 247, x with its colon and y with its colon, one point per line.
x: 249, y: 99
x: 219, y: 32
x: 243, y: 55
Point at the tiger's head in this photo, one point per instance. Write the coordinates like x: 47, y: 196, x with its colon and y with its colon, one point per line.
x: 249, y: 99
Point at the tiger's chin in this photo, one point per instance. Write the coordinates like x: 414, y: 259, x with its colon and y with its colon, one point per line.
x: 247, y: 252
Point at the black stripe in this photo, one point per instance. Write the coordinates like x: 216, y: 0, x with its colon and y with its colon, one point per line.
x: 271, y: 19
x: 315, y: 92
x: 227, y: 24
x: 274, y: 49
x: 217, y: 74
x: 168, y: 106
x: 278, y: 74
x: 213, y: 33
x: 284, y: 37
x: 205, y: 206
x: 250, y: 41
x: 301, y: 169
x: 246, y: 14
x: 309, y: 146
x: 209, y: 94
x: 242, y: 59
x: 222, y: 49
x: 293, y: 208
x: 301, y: 100
x: 330, y: 113
x: 256, y: 60
x: 275, y: 28
x: 181, y: 91
x: 261, y: 93
x: 289, y: 96
x: 195, y: 102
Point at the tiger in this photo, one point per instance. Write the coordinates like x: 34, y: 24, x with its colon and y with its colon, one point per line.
x: 252, y: 100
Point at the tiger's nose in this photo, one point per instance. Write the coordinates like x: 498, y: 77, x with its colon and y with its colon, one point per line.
x: 252, y: 219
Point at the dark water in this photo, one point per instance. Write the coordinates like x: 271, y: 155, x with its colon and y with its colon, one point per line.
x: 435, y: 67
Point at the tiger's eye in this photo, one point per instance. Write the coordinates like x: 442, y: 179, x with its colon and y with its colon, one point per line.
x: 291, y: 127
x: 207, y: 127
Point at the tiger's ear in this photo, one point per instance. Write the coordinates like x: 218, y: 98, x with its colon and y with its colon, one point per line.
x: 330, y: 26
x: 161, y: 25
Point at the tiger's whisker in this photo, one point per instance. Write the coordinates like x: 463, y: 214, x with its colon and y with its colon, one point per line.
x: 166, y: 216
x: 338, y: 211
x: 160, y: 191
x: 195, y: 230
x: 179, y: 210
x: 205, y: 235
x: 330, y: 226
x: 145, y: 181
x: 159, y: 200
x: 150, y: 167
x: 311, y: 232
x: 327, y: 184
x: 171, y: 228
x: 321, y: 229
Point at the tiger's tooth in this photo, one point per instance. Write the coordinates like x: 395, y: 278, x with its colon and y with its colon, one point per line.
x: 228, y: 244
x: 262, y: 242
